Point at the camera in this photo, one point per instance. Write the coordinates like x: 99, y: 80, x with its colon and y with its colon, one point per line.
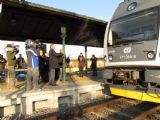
x: 34, y: 44
x: 11, y: 51
x: 12, y: 48
x: 30, y: 43
x: 37, y: 44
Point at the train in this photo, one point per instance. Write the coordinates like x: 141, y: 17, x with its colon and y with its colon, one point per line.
x: 132, y: 50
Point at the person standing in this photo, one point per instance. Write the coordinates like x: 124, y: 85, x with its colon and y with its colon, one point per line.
x: 11, y: 51
x: 81, y: 64
x: 3, y: 62
x: 68, y: 61
x: 53, y: 64
x: 41, y: 65
x: 20, y: 62
x: 94, y: 65
x: 33, y: 65
x: 46, y: 67
x: 60, y: 62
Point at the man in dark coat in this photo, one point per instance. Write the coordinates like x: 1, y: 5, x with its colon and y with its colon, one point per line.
x: 53, y: 64
x: 43, y: 66
x: 94, y: 65
x: 46, y: 67
x: 20, y: 62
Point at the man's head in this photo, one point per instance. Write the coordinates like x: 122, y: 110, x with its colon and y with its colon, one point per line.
x: 41, y: 52
x: 52, y: 46
x: 20, y: 55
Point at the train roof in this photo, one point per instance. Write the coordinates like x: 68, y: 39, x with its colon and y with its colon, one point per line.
x: 20, y: 20
x: 140, y: 5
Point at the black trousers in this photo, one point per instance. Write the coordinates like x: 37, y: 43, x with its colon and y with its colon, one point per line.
x: 94, y: 71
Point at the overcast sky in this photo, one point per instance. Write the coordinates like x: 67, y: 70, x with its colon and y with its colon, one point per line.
x: 100, y: 9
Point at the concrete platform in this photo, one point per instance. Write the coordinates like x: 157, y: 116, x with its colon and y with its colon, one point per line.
x: 75, y: 91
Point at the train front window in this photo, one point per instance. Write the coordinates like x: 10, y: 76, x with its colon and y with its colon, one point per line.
x: 139, y: 27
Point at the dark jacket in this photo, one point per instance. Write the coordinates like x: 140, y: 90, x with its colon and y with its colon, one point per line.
x: 53, y: 59
x: 60, y: 61
x: 2, y: 63
x: 46, y: 66
x: 20, y: 62
x: 41, y: 63
x: 93, y: 62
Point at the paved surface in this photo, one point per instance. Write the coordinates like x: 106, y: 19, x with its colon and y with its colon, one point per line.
x: 72, y: 80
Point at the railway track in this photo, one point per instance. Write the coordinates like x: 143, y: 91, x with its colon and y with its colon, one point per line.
x: 109, y: 109
x: 105, y: 109
x: 119, y: 109
x: 152, y: 114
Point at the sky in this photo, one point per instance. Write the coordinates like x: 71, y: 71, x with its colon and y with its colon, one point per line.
x: 100, y: 9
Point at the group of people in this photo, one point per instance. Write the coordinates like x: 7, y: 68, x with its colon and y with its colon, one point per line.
x: 46, y: 67
x: 19, y: 62
x: 41, y: 66
x: 50, y: 65
x: 82, y: 63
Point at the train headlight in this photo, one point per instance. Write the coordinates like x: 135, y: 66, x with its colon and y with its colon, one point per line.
x: 110, y: 57
x: 150, y: 55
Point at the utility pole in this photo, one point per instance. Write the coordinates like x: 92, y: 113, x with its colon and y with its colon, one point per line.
x: 63, y: 36
x: 86, y: 58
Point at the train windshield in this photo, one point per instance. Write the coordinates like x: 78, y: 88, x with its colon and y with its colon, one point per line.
x: 138, y: 27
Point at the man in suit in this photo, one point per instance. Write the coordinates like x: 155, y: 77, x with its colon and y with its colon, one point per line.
x: 53, y: 63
